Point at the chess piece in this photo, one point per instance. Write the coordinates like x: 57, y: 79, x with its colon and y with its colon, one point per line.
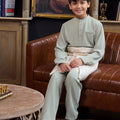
x: 4, y: 92
x: 3, y: 89
x: 0, y: 89
x: 103, y: 7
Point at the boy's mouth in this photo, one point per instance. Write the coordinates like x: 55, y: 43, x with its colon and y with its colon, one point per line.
x: 79, y: 11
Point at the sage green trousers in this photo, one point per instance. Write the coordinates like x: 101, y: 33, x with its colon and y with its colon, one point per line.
x: 52, y: 97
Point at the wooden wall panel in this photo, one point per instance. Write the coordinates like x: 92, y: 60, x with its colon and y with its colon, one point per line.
x: 10, y: 53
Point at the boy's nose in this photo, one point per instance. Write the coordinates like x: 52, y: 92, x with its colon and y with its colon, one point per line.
x: 78, y: 5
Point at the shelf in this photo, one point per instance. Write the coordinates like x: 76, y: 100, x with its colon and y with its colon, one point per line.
x: 108, y: 21
x: 15, y: 18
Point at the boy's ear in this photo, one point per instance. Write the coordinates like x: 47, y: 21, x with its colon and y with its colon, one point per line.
x: 88, y: 4
x: 70, y: 7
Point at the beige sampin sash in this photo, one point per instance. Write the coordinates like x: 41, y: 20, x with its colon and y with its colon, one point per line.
x: 73, y: 52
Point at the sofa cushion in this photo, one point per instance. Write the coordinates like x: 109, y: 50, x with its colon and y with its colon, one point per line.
x: 42, y: 72
x: 106, y: 78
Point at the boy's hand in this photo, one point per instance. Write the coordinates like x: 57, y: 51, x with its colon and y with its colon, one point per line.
x: 65, y: 67
x: 76, y: 63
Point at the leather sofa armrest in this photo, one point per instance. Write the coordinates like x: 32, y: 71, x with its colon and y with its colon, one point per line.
x: 40, y: 52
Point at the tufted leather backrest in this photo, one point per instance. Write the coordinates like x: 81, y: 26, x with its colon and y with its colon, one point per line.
x: 112, y: 51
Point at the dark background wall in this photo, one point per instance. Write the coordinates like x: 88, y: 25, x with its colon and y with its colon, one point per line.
x: 40, y: 27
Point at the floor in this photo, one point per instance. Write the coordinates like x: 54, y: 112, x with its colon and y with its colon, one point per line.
x: 77, y: 119
x: 91, y: 114
x: 88, y: 114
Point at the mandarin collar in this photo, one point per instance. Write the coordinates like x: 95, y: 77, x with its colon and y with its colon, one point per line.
x: 81, y: 20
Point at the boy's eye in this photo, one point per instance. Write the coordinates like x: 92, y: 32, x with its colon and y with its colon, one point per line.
x: 74, y: 3
x: 82, y: 2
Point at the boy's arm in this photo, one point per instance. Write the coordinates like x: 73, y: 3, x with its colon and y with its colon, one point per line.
x: 60, y: 49
x: 99, y: 48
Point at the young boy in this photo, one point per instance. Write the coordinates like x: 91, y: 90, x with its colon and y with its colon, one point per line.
x: 79, y: 48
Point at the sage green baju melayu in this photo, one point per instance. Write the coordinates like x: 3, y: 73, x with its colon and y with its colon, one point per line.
x: 85, y: 33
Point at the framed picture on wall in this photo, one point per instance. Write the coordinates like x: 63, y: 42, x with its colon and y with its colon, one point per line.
x: 51, y: 9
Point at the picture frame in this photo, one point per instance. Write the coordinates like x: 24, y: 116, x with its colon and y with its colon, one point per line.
x: 118, y: 18
x: 58, y: 9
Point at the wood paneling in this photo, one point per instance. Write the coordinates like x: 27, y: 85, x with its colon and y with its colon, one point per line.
x: 10, y: 52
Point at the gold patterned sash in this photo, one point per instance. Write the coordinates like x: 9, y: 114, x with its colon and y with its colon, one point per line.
x: 79, y: 51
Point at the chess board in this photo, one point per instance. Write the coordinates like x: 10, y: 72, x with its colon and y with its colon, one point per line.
x: 4, y: 92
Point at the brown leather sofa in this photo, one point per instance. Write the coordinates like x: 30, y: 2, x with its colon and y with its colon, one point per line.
x: 101, y: 90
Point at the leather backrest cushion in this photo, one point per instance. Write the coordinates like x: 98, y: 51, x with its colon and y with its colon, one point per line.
x: 112, y: 50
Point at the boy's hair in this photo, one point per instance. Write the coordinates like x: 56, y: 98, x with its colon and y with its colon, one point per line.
x: 76, y: 1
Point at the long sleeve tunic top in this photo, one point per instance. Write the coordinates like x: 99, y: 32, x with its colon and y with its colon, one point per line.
x: 86, y: 32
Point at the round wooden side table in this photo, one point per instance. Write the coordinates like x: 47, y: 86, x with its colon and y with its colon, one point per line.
x: 23, y: 102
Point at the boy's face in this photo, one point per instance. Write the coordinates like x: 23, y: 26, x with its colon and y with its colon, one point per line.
x: 79, y: 8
